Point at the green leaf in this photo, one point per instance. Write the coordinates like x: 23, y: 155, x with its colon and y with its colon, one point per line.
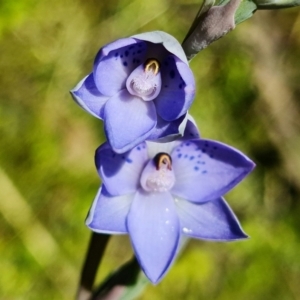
x: 127, y: 282
x: 132, y: 292
x: 275, y: 4
x: 245, y: 11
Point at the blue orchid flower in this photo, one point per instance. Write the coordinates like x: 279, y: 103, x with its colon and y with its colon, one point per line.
x: 159, y: 192
x: 141, y: 87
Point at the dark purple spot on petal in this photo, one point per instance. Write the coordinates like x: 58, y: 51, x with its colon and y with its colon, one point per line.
x: 187, y: 144
x: 192, y: 157
x: 133, y: 61
x: 180, y: 86
x: 140, y: 45
x: 116, y: 54
x: 123, y: 157
x: 203, y: 150
x: 125, y: 63
x: 199, y: 155
x: 166, y: 86
x: 131, y: 47
x: 139, y: 51
x: 204, y: 172
x: 172, y: 74
x: 211, y: 156
x: 121, y: 55
x: 129, y: 160
x: 126, y: 53
x: 196, y: 168
x: 177, y: 149
x: 186, y: 156
x: 215, y: 148
x: 138, y: 148
x: 133, y: 53
x: 179, y: 155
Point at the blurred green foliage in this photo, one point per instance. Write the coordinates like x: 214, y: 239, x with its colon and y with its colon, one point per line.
x: 247, y: 96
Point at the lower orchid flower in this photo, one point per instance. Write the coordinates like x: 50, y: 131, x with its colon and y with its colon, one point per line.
x: 158, y: 192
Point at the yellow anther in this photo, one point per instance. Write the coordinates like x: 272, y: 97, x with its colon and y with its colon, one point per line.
x: 163, y: 160
x: 152, y: 65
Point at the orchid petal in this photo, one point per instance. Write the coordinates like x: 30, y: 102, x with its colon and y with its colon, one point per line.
x: 178, y: 89
x: 129, y: 121
x: 183, y: 128
x: 154, y: 147
x: 168, y: 41
x: 153, y: 226
x: 206, y: 170
x: 120, y: 173
x: 166, y: 131
x: 88, y: 97
x: 191, y: 131
x: 115, y: 62
x: 108, y: 213
x: 212, y: 220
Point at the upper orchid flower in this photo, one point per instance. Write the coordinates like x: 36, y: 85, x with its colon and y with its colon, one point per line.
x: 159, y: 191
x: 140, y: 86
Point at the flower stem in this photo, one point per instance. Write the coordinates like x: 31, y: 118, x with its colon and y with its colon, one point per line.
x: 93, y: 258
x: 115, y: 285
x: 211, y: 23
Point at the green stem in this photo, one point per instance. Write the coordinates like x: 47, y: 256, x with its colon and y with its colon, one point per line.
x: 93, y: 258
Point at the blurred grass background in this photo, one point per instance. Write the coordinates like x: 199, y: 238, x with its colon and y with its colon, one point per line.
x: 247, y: 96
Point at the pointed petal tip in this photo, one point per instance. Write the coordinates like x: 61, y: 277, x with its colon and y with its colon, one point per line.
x: 241, y: 236
x: 87, y: 96
x: 154, y: 278
x: 73, y: 94
x: 156, y: 246
x: 249, y: 166
x: 237, y: 237
x: 252, y: 165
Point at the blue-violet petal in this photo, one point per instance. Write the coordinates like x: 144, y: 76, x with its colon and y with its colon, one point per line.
x: 108, y: 213
x: 212, y: 220
x: 88, y: 97
x: 178, y: 89
x: 120, y: 173
x: 129, y: 120
x: 153, y: 226
x: 167, y: 40
x: 115, y: 62
x: 206, y: 170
